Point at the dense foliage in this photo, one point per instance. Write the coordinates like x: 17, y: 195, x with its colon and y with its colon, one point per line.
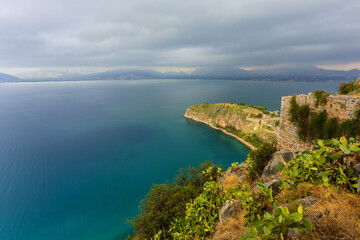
x: 259, y: 158
x: 278, y: 225
x: 326, y: 165
x: 201, y: 214
x: 348, y: 88
x: 166, y: 202
x: 313, y: 125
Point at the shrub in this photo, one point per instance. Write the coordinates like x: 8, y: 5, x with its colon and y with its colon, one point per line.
x: 201, y: 215
x: 259, y: 158
x: 346, y: 88
x: 166, y: 202
x: 325, y: 165
x: 277, y: 226
x: 277, y: 123
x: 321, y: 97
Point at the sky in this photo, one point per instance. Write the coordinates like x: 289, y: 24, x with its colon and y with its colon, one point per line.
x: 178, y: 35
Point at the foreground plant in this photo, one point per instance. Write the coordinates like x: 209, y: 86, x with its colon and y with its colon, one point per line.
x: 326, y: 165
x: 277, y: 226
x: 201, y: 215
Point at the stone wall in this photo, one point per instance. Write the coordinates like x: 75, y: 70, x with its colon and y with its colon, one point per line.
x: 340, y: 106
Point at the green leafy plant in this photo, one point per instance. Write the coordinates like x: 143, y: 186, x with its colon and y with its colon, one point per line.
x: 348, y: 88
x: 201, y: 215
x: 259, y: 158
x: 255, y: 203
x: 277, y: 226
x: 326, y: 165
x: 234, y: 164
x: 166, y: 202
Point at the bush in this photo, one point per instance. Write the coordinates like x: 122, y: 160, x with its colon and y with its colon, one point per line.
x: 259, y: 158
x: 326, y: 165
x: 346, y: 88
x: 277, y: 123
x: 201, y: 215
x: 166, y: 202
x: 321, y: 97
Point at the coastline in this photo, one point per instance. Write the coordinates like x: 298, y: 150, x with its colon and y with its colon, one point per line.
x: 224, y: 131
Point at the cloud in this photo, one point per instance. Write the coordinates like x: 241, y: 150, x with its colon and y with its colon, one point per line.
x: 162, y: 33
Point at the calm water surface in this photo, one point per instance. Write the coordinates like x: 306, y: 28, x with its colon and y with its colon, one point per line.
x: 77, y: 157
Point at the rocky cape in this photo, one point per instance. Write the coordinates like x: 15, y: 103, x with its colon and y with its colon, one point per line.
x: 242, y: 122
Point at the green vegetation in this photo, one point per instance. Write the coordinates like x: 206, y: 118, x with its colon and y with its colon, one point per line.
x: 321, y: 97
x: 166, y: 202
x: 277, y: 123
x: 201, y: 215
x: 196, y: 216
x: 313, y: 125
x: 349, y: 88
x: 259, y: 158
x: 325, y: 165
x: 277, y: 226
x: 256, y: 115
x: 263, y: 109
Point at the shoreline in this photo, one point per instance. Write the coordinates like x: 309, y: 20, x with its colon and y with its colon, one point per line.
x: 249, y: 145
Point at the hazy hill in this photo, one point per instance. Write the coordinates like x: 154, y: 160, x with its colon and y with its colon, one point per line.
x: 8, y: 78
x: 233, y: 73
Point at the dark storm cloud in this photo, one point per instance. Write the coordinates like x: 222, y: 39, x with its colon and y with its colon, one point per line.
x: 64, y: 33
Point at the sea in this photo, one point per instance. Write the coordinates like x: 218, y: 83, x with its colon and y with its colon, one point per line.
x: 76, y: 157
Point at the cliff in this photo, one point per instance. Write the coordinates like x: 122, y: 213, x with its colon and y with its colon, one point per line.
x: 251, y: 124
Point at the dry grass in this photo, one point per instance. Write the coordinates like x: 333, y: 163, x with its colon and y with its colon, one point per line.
x: 232, y: 228
x: 230, y: 181
x: 340, y: 214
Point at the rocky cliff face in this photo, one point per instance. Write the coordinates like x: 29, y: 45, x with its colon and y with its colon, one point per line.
x: 337, y: 106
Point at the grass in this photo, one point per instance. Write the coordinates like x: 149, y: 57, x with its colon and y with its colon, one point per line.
x: 340, y: 212
x: 232, y: 228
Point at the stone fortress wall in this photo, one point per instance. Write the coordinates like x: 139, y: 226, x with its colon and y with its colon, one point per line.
x: 340, y: 106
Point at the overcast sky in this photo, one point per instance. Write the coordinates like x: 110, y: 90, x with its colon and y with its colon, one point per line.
x: 166, y: 34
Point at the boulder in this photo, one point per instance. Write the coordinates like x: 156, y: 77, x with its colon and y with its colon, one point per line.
x: 271, y: 170
x: 357, y: 173
x: 357, y: 169
x: 239, y: 169
x: 228, y: 209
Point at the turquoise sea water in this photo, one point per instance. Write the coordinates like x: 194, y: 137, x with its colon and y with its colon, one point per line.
x: 77, y: 157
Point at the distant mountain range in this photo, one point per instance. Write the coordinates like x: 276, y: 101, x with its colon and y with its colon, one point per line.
x: 287, y: 74
x: 8, y: 78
